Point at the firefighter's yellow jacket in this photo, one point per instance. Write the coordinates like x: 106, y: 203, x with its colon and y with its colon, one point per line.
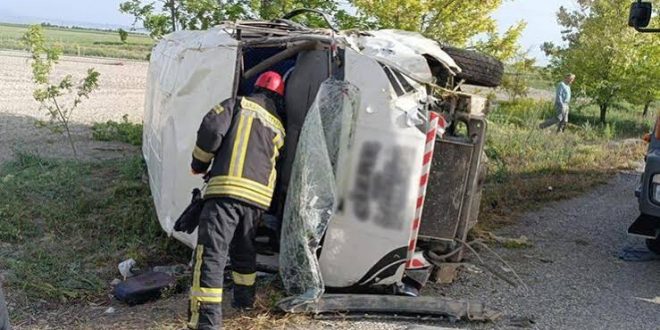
x: 242, y: 137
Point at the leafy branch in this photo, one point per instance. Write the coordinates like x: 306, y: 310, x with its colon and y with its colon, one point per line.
x: 52, y: 96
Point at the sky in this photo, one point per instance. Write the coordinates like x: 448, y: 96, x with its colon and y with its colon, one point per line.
x: 539, y: 14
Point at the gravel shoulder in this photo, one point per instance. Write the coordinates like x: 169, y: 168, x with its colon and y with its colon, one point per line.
x: 574, y: 275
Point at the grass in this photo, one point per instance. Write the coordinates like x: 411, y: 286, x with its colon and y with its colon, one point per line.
x: 66, y: 224
x: 81, y: 42
x: 123, y: 131
x: 529, y: 167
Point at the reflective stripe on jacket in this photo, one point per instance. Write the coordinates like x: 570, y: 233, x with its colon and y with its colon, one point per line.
x: 243, y: 139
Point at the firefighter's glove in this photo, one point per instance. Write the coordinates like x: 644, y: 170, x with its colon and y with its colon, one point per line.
x: 189, y: 219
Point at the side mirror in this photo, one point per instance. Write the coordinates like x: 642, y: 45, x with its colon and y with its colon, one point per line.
x: 640, y: 14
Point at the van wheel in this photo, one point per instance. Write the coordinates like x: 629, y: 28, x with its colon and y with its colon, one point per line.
x: 477, y: 68
x: 653, y: 245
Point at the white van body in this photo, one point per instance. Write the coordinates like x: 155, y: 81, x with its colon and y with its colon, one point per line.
x: 191, y: 71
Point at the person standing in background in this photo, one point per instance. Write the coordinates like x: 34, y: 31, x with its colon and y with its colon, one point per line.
x: 562, y: 99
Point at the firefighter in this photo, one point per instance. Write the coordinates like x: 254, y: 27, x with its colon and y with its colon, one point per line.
x: 242, y: 138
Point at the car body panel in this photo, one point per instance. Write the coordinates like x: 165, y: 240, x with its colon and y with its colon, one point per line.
x: 182, y: 85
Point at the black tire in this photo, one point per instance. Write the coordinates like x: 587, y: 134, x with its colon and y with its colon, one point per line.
x: 478, y: 69
x: 653, y: 245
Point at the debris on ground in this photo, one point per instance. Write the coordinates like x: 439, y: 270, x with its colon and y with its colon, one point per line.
x: 511, y: 243
x: 125, y: 268
x: 174, y: 270
x: 144, y: 287
x: 637, y: 254
x: 398, y: 305
x: 446, y: 273
x: 655, y: 300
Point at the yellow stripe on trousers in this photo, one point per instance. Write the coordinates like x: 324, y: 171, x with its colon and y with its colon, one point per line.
x: 194, y: 302
x: 244, y: 279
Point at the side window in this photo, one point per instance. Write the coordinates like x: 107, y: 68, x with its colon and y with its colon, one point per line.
x: 398, y: 81
x: 393, y: 81
x: 404, y: 82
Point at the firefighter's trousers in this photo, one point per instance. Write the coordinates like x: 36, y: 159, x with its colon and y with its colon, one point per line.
x: 226, y: 226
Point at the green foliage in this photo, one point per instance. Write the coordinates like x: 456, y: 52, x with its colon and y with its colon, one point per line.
x: 70, y: 253
x: 123, y: 35
x: 448, y: 21
x: 123, y: 131
x: 53, y: 96
x: 528, y: 167
x: 516, y: 80
x: 612, y: 61
x: 164, y: 16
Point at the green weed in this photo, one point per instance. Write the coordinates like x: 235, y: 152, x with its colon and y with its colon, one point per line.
x: 528, y: 166
x: 123, y: 131
x: 68, y: 223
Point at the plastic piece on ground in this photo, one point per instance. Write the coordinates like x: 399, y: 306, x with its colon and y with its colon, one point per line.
x: 125, y: 268
x: 637, y: 254
x: 142, y: 288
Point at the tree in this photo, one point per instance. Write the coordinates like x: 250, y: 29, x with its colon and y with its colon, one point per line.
x: 164, y: 16
x: 515, y: 82
x: 123, y: 35
x: 644, y: 85
x: 54, y: 96
x: 604, y: 53
x: 448, y: 21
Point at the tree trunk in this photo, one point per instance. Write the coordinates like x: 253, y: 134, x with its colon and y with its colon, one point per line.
x: 646, y: 108
x: 264, y: 8
x: 173, y: 13
x: 603, y: 113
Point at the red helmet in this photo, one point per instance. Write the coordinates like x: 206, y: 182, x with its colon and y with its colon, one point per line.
x: 271, y: 81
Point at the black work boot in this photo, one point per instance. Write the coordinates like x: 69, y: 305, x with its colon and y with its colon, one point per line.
x: 209, y: 318
x: 243, y: 297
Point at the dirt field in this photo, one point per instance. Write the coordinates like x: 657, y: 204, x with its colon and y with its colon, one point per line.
x: 122, y: 85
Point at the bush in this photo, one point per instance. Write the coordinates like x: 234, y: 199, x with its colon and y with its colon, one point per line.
x: 123, y: 131
x: 123, y: 35
x: 528, y: 166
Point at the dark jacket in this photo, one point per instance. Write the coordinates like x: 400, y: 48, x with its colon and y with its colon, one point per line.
x: 243, y: 138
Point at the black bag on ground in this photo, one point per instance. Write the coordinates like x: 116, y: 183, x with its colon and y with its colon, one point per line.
x: 189, y: 219
x: 144, y: 287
